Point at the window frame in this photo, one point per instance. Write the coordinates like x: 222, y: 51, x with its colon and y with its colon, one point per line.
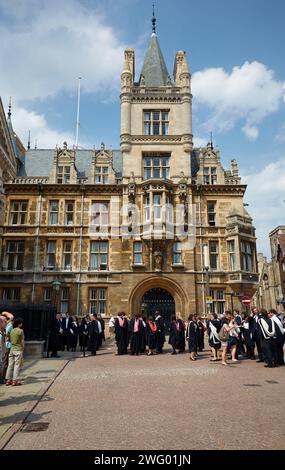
x: 98, y: 255
x: 156, y: 123
x: 18, y: 213
x: 69, y: 213
x: 138, y: 253
x: 211, y: 214
x: 65, y: 254
x: 177, y: 253
x: 214, y: 255
x: 96, y: 301
x: 16, y: 263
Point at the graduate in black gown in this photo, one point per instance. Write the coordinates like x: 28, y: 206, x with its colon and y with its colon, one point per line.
x: 213, y: 327
x: 181, y: 328
x: 200, y: 333
x: 269, y: 339
x: 280, y: 330
x: 192, y: 337
x: 143, y: 338
x: 160, y: 332
x: 137, y: 331
x: 55, y: 335
x: 173, y: 334
x: 247, y: 334
x: 83, y: 332
x: 74, y: 333
x: 94, y: 332
x: 121, y: 333
x: 151, y: 335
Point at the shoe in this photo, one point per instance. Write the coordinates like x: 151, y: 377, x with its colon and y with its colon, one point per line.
x: 174, y: 352
x: 260, y: 360
x: 225, y: 363
x: 16, y: 383
x: 192, y: 358
x: 8, y: 382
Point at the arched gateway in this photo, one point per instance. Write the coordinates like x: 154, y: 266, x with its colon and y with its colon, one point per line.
x: 158, y: 293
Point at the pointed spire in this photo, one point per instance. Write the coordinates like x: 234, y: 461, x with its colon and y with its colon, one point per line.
x: 211, y: 141
x: 10, y: 108
x: 29, y: 140
x: 153, y: 20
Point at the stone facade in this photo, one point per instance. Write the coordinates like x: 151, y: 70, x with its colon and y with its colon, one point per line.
x: 271, y: 287
x: 98, y: 230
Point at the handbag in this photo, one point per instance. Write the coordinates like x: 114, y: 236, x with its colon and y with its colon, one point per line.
x: 223, y: 335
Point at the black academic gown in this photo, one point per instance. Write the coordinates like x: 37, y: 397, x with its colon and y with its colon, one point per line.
x: 181, y: 336
x: 83, y: 334
x: 213, y: 341
x: 136, y: 338
x: 279, y: 343
x: 200, y: 335
x: 247, y: 333
x: 54, y: 338
x: 151, y: 337
x: 269, y: 343
x: 93, y: 336
x: 192, y: 336
x: 121, y: 336
x: 160, y: 334
x: 173, y: 335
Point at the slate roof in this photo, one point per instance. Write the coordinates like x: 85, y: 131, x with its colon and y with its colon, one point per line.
x: 154, y: 69
x: 39, y: 162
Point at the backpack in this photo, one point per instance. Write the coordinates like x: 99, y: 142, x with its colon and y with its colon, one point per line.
x: 223, y: 335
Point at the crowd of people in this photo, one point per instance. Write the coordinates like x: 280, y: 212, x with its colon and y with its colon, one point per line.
x: 257, y: 335
x: 67, y: 332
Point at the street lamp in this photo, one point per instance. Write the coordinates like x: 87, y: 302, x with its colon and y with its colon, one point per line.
x: 56, y: 285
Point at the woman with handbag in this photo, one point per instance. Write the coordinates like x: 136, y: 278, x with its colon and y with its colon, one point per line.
x: 228, y: 326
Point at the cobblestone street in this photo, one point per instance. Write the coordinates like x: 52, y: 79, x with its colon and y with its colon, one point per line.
x: 159, y: 402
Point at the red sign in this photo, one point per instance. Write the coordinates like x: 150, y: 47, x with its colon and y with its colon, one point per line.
x: 246, y: 300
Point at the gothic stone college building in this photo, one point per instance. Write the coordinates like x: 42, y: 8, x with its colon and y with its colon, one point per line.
x: 158, y: 224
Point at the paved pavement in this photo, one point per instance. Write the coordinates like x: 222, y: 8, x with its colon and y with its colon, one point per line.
x: 17, y: 401
x: 158, y: 402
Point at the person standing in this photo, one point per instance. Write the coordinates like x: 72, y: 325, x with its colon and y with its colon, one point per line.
x: 9, y: 327
x: 136, y: 330
x: 213, y: 327
x: 55, y: 333
x: 3, y: 323
x: 257, y: 334
x: 102, y: 333
x: 151, y: 335
x: 16, y: 353
x: 192, y: 336
x: 280, y: 331
x: 181, y: 328
x: 247, y: 335
x: 74, y: 332
x: 173, y: 334
x: 200, y: 333
x: 160, y: 332
x: 83, y: 332
x: 66, y: 321
x: 121, y: 326
x: 269, y: 338
x: 94, y: 332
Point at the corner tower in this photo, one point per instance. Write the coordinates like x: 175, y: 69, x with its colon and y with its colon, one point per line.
x: 156, y: 116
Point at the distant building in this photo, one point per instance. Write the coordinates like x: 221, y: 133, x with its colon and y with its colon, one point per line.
x: 271, y: 288
x: 158, y: 224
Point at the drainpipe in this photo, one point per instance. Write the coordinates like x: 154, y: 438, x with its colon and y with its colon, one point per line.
x: 80, y: 250
x: 35, y: 266
x: 201, y: 253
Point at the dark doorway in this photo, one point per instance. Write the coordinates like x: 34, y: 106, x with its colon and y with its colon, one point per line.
x: 159, y: 299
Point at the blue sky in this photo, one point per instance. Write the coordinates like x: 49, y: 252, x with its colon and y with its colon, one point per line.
x: 234, y: 52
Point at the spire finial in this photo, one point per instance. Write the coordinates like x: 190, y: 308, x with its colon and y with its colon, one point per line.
x: 29, y: 140
x: 153, y: 20
x: 10, y: 108
x: 212, y: 145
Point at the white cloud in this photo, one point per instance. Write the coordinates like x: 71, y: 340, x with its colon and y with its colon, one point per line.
x: 280, y: 136
x: 265, y: 195
x: 200, y: 141
x: 248, y: 94
x: 40, y: 131
x: 48, y: 45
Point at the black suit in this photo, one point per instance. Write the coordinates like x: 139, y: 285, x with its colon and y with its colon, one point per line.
x: 54, y: 338
x: 66, y: 325
x: 160, y: 334
x: 93, y: 328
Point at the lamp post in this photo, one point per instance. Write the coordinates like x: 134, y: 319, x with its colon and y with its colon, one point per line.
x: 56, y: 285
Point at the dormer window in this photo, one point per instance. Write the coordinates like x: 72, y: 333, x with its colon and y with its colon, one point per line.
x: 101, y: 174
x: 210, y: 175
x: 156, y: 166
x: 156, y: 122
x: 63, y: 175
